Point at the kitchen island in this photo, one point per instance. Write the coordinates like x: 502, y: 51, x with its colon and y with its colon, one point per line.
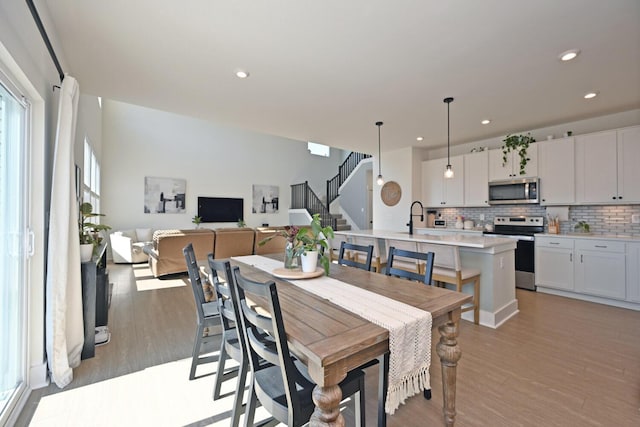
x: 494, y: 256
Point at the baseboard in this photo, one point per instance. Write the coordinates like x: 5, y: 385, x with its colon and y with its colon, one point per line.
x: 497, y: 318
x: 590, y: 298
x: 38, y: 376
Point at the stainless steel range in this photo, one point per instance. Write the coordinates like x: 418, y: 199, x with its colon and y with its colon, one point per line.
x: 521, y: 228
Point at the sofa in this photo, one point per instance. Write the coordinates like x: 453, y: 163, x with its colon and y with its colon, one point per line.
x: 127, y: 246
x: 234, y: 242
x: 166, y: 257
x: 276, y: 244
x: 165, y: 252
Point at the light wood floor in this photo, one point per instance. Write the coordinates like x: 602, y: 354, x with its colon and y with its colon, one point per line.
x: 559, y: 362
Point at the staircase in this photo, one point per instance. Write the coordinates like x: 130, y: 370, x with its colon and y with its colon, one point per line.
x: 341, y: 223
x: 303, y: 197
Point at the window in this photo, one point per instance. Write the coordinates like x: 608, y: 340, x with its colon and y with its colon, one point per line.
x: 91, y: 181
x: 318, y: 149
x: 14, y: 252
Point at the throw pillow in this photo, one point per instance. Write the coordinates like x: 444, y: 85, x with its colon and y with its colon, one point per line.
x: 144, y: 234
x: 130, y: 234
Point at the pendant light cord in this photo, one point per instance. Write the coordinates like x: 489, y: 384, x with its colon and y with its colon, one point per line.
x: 448, y: 136
x: 379, y: 124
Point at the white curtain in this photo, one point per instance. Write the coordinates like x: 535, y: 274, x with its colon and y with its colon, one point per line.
x: 64, y: 320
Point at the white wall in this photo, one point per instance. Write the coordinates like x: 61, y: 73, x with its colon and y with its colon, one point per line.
x: 216, y: 161
x: 400, y: 167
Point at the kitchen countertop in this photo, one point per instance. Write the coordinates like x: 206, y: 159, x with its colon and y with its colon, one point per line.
x: 619, y: 237
x: 462, y: 239
x: 449, y: 230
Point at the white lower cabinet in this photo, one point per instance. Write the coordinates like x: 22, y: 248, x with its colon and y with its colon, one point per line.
x: 554, y: 263
x: 600, y: 268
x: 633, y: 272
x: 606, y: 269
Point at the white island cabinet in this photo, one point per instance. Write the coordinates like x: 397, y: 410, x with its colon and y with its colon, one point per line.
x: 494, y: 256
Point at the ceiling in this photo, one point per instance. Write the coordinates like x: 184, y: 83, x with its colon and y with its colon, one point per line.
x: 326, y: 71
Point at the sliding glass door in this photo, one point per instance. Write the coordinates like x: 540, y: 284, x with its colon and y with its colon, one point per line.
x: 13, y: 246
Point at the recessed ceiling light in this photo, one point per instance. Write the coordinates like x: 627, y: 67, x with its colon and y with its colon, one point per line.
x: 569, y: 55
x: 419, y: 138
x: 485, y: 121
x: 590, y: 95
x: 241, y: 74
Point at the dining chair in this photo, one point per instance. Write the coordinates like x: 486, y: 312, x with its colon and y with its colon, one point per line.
x: 408, y: 256
x: 284, y: 388
x: 233, y: 342
x: 208, y: 315
x: 354, y: 251
x: 410, y: 264
x: 448, y: 268
x: 334, y: 245
x: 379, y: 259
x: 424, y: 276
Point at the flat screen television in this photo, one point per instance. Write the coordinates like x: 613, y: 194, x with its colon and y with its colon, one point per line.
x: 220, y: 209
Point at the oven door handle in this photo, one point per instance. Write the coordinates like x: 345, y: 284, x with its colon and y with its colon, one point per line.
x: 512, y: 236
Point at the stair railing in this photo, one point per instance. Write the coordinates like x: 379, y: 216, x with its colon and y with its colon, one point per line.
x: 303, y: 197
x: 344, y: 170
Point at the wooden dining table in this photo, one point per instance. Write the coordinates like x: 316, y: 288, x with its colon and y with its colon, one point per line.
x: 332, y: 341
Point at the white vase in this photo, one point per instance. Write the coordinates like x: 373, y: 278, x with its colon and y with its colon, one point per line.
x: 86, y: 252
x: 309, y: 261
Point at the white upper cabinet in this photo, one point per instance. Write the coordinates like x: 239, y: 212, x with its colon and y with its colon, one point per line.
x: 596, y: 168
x: 629, y: 165
x: 438, y: 191
x: 556, y: 171
x: 476, y: 179
x: 607, y: 166
x: 511, y: 170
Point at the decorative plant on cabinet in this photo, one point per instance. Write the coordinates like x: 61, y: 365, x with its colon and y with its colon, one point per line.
x: 519, y: 144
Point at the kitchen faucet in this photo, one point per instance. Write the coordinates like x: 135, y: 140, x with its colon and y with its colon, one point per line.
x: 411, y: 215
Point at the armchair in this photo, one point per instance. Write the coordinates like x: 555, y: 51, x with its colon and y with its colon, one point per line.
x: 127, y: 245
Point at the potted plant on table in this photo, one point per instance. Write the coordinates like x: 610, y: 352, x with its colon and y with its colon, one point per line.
x: 89, y: 232
x: 312, y: 240
x: 303, y: 243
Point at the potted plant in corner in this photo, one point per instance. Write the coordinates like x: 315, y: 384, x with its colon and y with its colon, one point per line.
x: 312, y: 240
x: 520, y: 144
x: 89, y: 232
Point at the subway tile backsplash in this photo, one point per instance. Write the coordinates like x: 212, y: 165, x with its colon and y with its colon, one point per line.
x: 610, y: 219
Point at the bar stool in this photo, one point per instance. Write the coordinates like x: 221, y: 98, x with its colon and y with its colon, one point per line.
x: 448, y: 269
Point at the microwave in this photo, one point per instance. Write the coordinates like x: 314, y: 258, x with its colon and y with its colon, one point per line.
x: 514, y: 191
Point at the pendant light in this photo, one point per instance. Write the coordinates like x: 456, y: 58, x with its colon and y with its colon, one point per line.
x: 448, y: 173
x: 380, y: 180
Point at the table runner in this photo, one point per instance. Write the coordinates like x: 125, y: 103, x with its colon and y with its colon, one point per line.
x: 409, y: 328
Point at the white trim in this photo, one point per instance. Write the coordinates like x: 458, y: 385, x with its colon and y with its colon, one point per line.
x: 590, y: 298
x: 496, y: 319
